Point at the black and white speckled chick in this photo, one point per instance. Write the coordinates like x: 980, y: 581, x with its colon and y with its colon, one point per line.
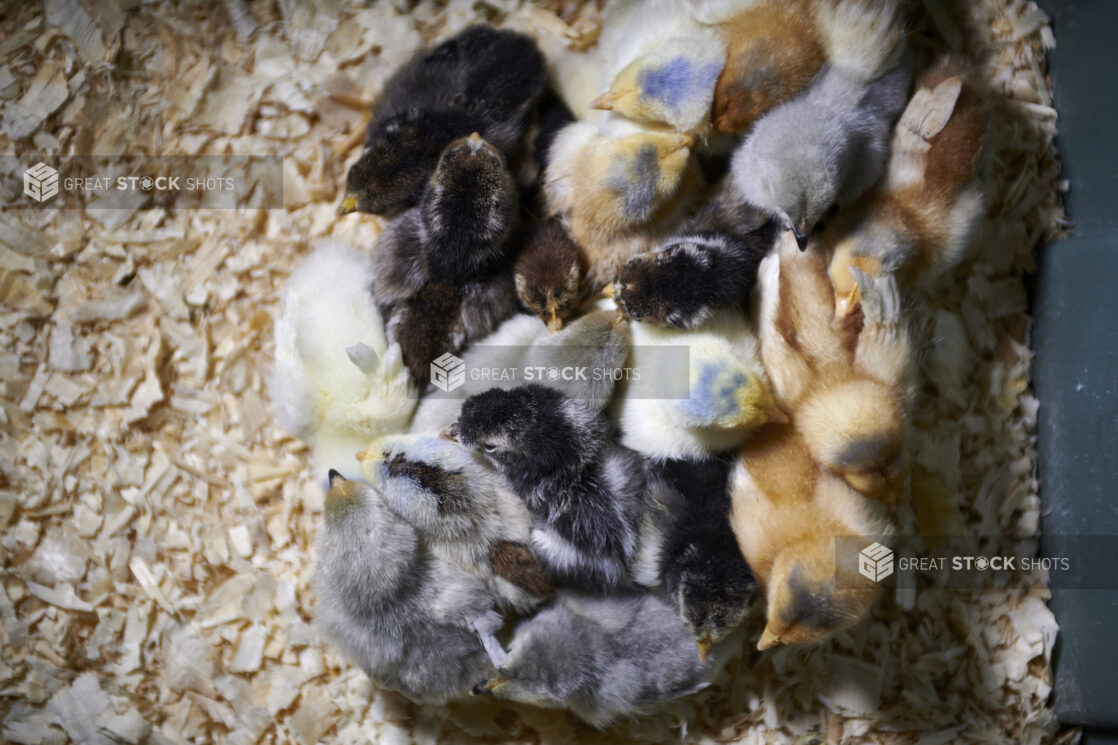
x: 442, y: 274
x: 702, y: 569
x: 584, y: 492
x: 482, y: 80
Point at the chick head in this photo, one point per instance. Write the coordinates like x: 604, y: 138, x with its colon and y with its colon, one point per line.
x: 725, y: 393
x: 468, y: 209
x: 807, y: 601
x: 400, y: 154
x: 790, y: 175
x: 673, y: 85
x: 670, y: 286
x: 548, y: 275
x: 710, y: 610
x: 433, y: 484
x: 529, y: 431
x: 623, y: 182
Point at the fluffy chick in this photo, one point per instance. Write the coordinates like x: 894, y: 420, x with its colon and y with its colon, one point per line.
x: 337, y: 382
x: 917, y: 223
x: 584, y: 492
x: 442, y: 275
x: 462, y: 511
x: 682, y: 283
x: 775, y: 48
x: 698, y: 393
x: 413, y: 622
x: 701, y: 566
x: 847, y: 387
x: 824, y: 148
x: 601, y: 657
x: 786, y: 514
x: 620, y: 188
x: 548, y: 273
x: 482, y: 80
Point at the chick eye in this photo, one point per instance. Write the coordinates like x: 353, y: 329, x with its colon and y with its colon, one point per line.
x: 490, y: 448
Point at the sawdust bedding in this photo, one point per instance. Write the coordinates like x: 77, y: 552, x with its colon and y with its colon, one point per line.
x: 158, y: 526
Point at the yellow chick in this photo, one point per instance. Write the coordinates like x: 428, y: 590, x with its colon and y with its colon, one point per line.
x: 845, y: 387
x: 786, y: 514
x: 917, y: 223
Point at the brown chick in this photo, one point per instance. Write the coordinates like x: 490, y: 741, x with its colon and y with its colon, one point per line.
x: 548, y: 273
x: 786, y: 514
x: 846, y: 387
x: 917, y: 223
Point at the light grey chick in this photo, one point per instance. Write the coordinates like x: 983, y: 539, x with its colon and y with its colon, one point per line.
x: 821, y: 150
x: 413, y: 622
x: 463, y: 512
x: 601, y: 657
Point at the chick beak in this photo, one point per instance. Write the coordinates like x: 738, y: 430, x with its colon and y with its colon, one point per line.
x: 450, y: 433
x: 776, y: 415
x: 333, y: 477
x: 621, y: 318
x: 768, y: 639
x: 555, y: 323
x: 486, y: 687
x: 847, y: 304
x: 704, y: 648
x: 609, y: 290
x: 802, y: 236
x: 349, y: 204
x: 605, y: 101
x: 475, y: 140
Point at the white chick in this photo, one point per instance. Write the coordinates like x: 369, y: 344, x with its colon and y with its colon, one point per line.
x: 699, y: 392
x: 337, y: 383
x: 413, y: 622
x: 824, y: 148
x: 601, y: 657
x: 463, y: 512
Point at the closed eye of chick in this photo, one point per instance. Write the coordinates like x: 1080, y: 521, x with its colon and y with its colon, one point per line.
x: 584, y: 492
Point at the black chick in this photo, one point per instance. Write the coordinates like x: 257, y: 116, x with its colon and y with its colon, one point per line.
x: 548, y: 274
x: 442, y: 275
x: 585, y: 493
x: 711, y: 265
x: 482, y: 80
x: 701, y: 566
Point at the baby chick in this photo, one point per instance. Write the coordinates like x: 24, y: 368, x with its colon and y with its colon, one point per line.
x: 847, y: 388
x: 702, y: 568
x: 442, y: 275
x: 683, y: 282
x: 917, y: 223
x: 786, y: 514
x: 824, y: 148
x: 621, y: 189
x: 482, y: 80
x: 548, y: 275
x: 462, y: 511
x: 775, y: 48
x: 413, y: 622
x: 698, y: 393
x: 601, y: 657
x: 337, y: 381
x: 585, y: 493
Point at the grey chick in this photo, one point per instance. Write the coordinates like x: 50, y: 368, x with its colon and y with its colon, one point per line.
x: 413, y: 622
x: 821, y: 150
x: 602, y: 658
x: 463, y: 512
x: 442, y: 274
x: 702, y: 569
x: 585, y: 493
x: 482, y: 80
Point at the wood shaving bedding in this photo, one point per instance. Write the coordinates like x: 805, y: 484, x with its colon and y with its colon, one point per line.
x: 158, y: 526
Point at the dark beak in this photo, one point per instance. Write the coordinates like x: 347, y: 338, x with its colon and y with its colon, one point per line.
x: 333, y: 476
x: 450, y: 433
x: 802, y: 237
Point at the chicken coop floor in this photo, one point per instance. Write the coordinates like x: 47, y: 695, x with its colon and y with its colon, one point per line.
x: 158, y: 526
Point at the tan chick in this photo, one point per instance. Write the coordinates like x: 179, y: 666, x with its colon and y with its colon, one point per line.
x: 917, y: 223
x: 787, y: 513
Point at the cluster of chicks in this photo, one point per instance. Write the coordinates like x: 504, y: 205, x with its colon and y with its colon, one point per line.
x: 749, y: 184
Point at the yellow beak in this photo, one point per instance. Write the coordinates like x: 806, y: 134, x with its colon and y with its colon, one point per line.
x: 349, y: 204
x: 777, y: 416
x: 768, y: 639
x: 704, y: 648
x: 605, y: 101
x: 844, y: 306
x: 555, y: 323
